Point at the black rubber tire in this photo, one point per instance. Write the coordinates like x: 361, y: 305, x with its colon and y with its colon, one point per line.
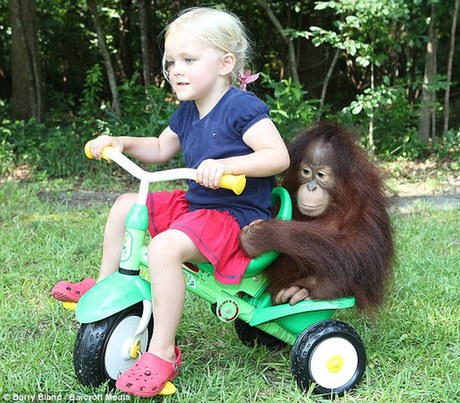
x: 343, y: 345
x: 89, y: 357
x: 250, y: 336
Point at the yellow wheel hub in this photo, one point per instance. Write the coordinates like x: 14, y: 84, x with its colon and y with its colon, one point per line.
x: 335, y: 363
x: 135, y: 350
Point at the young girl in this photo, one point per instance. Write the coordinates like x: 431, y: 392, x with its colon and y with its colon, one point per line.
x: 220, y: 130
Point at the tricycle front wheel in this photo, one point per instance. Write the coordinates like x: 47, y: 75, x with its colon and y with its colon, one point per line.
x: 330, y: 355
x: 101, y: 350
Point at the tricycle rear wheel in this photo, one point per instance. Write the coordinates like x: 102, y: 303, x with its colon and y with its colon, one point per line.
x: 101, y: 350
x: 329, y: 354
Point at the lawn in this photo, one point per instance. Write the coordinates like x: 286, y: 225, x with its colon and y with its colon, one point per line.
x: 413, y: 348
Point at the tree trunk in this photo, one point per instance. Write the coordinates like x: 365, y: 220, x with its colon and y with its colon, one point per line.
x: 147, y: 69
x: 426, y: 122
x: 326, y: 81
x: 291, y: 50
x: 371, y: 115
x: 124, y: 56
x: 449, y: 66
x: 27, y: 81
x: 105, y: 56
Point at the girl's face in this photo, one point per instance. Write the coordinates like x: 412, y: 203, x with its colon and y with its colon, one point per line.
x: 197, y: 72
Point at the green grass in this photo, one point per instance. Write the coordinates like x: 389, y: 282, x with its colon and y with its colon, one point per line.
x: 413, y: 348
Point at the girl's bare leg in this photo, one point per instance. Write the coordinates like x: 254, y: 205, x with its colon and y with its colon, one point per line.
x: 114, y: 234
x: 166, y: 254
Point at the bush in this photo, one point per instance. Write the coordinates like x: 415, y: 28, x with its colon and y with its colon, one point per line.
x: 395, y: 122
x: 55, y: 148
x: 448, y: 147
x: 6, y: 151
x: 50, y: 151
x: 289, y: 109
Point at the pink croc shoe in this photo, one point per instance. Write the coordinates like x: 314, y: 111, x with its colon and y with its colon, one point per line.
x: 71, y: 292
x: 148, y: 376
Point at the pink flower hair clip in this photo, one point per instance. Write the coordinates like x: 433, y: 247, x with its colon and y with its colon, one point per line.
x: 247, y: 78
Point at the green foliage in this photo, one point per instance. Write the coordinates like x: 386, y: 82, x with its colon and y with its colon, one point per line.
x: 395, y: 121
x: 376, y: 39
x: 20, y: 141
x: 146, y: 110
x: 368, y: 34
x: 364, y: 29
x: 67, y: 43
x: 6, y: 152
x: 48, y: 151
x: 290, y: 109
x: 448, y: 147
x: 6, y: 148
x: 55, y: 148
x: 91, y: 91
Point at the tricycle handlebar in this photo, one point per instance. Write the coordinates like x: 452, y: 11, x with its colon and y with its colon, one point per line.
x: 236, y: 183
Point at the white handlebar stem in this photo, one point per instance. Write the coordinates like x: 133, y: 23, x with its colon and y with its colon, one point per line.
x: 148, y: 177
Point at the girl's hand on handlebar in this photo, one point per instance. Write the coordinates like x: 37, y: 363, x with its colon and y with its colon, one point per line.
x: 99, y: 143
x: 209, y: 173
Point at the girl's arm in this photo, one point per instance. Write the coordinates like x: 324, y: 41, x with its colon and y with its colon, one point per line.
x: 151, y: 150
x: 270, y: 157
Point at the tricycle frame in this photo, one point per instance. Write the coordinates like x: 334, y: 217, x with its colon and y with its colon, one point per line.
x: 248, y: 301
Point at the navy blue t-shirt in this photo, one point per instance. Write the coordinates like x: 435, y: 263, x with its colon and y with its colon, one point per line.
x: 220, y: 135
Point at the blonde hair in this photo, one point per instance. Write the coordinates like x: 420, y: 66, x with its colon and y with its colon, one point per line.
x: 219, y: 29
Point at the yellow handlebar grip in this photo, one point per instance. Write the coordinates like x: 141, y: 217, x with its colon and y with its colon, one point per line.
x: 104, y: 153
x: 236, y: 183
x: 88, y: 152
x: 90, y: 155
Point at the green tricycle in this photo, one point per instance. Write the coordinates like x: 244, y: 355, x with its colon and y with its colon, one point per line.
x: 116, y: 314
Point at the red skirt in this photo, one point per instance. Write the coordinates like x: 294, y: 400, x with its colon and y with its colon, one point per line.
x: 215, y: 233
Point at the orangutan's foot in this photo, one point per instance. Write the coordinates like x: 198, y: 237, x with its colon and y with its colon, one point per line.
x: 292, y: 295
